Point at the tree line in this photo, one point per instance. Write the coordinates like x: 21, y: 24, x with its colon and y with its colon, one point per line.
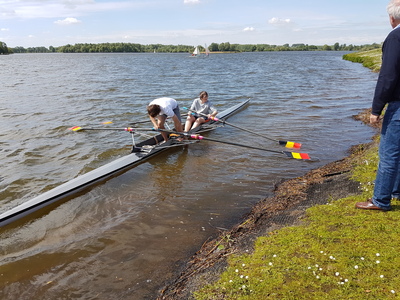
x: 3, y: 48
x: 214, y: 47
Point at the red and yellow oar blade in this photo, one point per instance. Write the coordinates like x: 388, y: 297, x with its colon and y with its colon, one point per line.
x: 107, y: 122
x: 288, y: 144
x: 297, y: 155
x: 75, y: 128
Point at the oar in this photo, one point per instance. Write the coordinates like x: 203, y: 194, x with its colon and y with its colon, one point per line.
x: 196, y: 137
x: 200, y: 137
x: 137, y: 122
x: 129, y: 129
x: 287, y: 144
x: 287, y: 153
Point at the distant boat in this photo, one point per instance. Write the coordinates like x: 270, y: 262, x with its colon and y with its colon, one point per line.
x: 207, y: 51
x: 196, y: 52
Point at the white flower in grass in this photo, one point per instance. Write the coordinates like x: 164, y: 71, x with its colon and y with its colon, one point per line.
x: 346, y: 280
x: 270, y: 263
x: 378, y: 254
x: 309, y: 268
x: 378, y: 261
x: 362, y: 258
x: 317, y: 277
x: 231, y: 280
x: 243, y: 265
x: 247, y: 277
x: 316, y: 266
x: 321, y: 252
x: 236, y: 270
x: 241, y: 276
x: 355, y: 267
x: 274, y: 255
x: 381, y: 276
x: 392, y: 291
x: 320, y: 269
x: 337, y: 273
x: 243, y: 286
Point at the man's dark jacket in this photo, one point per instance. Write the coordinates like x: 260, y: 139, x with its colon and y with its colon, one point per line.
x: 388, y: 85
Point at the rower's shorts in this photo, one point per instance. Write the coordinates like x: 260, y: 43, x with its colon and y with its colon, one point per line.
x: 176, y: 112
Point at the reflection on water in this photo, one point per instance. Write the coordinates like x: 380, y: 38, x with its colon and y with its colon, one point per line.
x: 124, y: 237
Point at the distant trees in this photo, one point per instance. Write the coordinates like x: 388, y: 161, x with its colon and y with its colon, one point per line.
x: 32, y: 49
x: 122, y: 47
x: 4, y: 49
x: 214, y: 47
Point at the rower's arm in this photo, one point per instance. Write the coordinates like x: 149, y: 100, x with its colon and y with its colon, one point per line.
x: 154, y: 121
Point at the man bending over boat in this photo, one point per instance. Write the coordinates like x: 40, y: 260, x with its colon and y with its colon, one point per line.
x: 162, y: 108
x: 203, y: 110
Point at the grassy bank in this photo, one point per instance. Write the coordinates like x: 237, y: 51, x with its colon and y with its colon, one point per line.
x: 369, y: 59
x: 338, y: 252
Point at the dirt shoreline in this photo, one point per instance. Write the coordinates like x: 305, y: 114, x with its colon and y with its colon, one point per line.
x: 287, y: 207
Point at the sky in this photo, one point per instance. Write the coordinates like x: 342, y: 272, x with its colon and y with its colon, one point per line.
x: 35, y: 23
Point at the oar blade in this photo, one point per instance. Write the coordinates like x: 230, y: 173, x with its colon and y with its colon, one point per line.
x: 296, y: 155
x: 288, y: 144
x: 106, y: 122
x: 75, y: 128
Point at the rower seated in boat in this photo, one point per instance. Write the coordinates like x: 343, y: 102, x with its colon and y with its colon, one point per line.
x: 200, y: 112
x: 160, y: 109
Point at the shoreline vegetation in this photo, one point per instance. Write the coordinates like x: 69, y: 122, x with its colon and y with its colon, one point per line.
x: 306, y: 242
x: 160, y: 48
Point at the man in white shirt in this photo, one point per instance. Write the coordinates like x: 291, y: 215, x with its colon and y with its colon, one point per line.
x: 164, y: 108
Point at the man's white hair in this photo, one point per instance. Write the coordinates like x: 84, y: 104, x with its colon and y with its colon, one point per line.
x: 393, y: 9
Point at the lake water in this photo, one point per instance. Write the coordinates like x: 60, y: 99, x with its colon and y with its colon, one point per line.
x: 123, y: 238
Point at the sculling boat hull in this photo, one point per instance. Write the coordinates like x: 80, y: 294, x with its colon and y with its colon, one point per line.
x: 102, y: 173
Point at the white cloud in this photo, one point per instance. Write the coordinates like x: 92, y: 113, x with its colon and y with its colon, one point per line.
x: 68, y: 21
x: 4, y: 29
x: 249, y: 29
x: 191, y: 1
x: 34, y: 9
x: 279, y: 22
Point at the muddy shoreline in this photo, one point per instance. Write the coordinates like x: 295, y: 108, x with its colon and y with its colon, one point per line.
x: 287, y: 207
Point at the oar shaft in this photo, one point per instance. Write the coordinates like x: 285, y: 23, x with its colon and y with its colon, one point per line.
x: 148, y: 120
x: 200, y: 137
x: 250, y: 131
x: 235, y: 126
x: 129, y: 129
x: 287, y: 153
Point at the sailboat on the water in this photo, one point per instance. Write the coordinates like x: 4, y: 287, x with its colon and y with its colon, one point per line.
x: 196, y: 52
x: 207, y: 51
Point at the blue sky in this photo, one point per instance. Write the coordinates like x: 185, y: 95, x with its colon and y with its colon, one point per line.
x: 31, y: 23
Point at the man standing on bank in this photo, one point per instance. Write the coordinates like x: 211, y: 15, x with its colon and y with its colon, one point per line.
x: 387, y: 91
x: 162, y: 108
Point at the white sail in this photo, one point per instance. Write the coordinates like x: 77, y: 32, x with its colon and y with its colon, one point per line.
x: 207, y: 51
x: 196, y: 51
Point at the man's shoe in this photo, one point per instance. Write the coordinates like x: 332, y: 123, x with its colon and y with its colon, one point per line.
x: 367, y: 205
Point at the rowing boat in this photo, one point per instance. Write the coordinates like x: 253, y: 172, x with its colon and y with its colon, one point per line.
x: 140, y: 152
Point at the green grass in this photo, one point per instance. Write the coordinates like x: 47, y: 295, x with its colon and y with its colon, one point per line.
x: 370, y: 59
x: 338, y: 253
